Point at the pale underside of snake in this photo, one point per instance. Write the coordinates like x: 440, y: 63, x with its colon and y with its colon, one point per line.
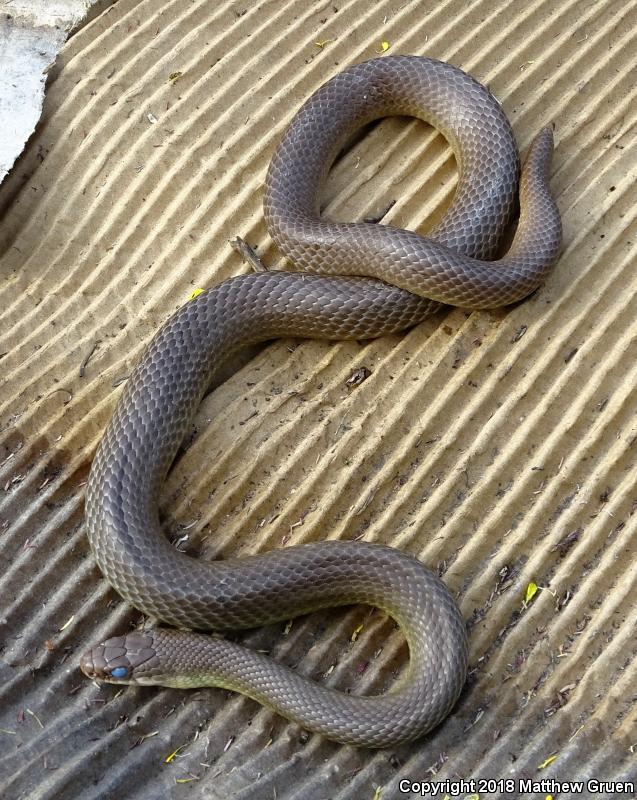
x: 372, y: 280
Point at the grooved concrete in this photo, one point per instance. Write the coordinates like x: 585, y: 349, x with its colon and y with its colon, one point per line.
x: 497, y: 446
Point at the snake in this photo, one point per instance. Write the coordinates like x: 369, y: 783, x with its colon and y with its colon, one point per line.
x: 350, y: 280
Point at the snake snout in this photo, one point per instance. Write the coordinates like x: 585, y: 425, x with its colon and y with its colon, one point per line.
x: 116, y: 659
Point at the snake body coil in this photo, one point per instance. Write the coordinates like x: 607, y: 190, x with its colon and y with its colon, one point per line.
x: 393, y: 278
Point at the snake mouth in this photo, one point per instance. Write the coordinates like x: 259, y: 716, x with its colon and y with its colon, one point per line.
x: 118, y: 660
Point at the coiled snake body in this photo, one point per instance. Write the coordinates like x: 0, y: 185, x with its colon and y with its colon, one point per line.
x: 395, y: 278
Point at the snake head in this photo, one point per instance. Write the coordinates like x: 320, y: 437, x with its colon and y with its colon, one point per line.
x: 122, y: 659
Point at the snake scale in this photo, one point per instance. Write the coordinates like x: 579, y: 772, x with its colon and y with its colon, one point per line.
x: 367, y: 280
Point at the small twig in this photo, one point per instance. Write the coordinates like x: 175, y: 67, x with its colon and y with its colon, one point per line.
x: 376, y: 218
x: 248, y: 254
x: 88, y: 357
x: 62, y: 389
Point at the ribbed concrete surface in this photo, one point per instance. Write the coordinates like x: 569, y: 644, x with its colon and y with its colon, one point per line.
x: 498, y: 446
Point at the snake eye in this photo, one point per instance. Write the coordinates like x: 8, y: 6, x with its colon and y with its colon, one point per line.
x: 119, y: 672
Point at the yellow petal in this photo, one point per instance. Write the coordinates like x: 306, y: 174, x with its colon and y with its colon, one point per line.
x: 171, y: 757
x: 531, y: 591
x: 548, y: 761
x: 354, y: 635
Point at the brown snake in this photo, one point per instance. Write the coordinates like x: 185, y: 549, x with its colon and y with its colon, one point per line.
x: 407, y: 277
